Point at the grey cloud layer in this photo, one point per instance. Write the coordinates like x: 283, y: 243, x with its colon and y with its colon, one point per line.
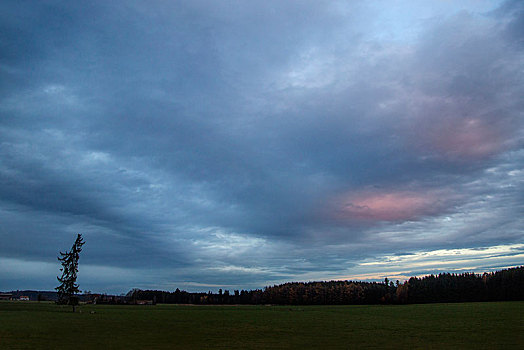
x: 230, y: 143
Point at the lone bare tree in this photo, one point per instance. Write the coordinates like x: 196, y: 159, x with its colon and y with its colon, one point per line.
x: 68, y: 287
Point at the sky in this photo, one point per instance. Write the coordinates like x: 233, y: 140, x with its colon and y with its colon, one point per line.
x: 239, y: 144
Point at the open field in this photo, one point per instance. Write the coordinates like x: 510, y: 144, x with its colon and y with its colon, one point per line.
x: 33, y: 325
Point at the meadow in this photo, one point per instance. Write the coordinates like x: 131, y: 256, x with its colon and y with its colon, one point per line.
x: 44, y: 325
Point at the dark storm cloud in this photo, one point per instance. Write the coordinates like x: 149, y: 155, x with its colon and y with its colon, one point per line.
x: 238, y: 144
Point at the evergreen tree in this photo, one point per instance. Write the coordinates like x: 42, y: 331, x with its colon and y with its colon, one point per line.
x: 68, y: 287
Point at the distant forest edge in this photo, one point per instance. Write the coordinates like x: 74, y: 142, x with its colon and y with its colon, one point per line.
x: 443, y: 288
x: 504, y: 285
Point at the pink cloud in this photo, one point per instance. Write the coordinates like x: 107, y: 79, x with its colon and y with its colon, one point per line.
x: 454, y: 128
x: 466, y: 138
x: 387, y: 205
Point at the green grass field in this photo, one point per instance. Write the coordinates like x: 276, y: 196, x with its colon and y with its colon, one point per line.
x: 33, y: 325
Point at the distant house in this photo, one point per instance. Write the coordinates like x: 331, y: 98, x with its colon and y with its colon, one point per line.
x: 6, y: 296
x: 24, y: 298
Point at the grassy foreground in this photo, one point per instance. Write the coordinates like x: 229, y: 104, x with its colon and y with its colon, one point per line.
x: 33, y: 325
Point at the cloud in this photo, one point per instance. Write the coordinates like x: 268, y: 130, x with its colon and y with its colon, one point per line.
x: 404, y: 266
x: 388, y: 206
x: 240, y: 144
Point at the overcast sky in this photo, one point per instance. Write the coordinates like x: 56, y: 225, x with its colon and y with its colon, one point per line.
x: 239, y: 144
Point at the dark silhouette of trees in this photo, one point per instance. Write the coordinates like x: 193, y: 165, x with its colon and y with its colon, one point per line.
x: 505, y: 285
x: 68, y: 287
x: 443, y: 288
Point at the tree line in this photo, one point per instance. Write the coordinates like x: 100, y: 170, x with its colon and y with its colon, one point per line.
x: 502, y: 285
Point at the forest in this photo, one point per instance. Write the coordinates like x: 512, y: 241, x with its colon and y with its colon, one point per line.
x: 501, y: 285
